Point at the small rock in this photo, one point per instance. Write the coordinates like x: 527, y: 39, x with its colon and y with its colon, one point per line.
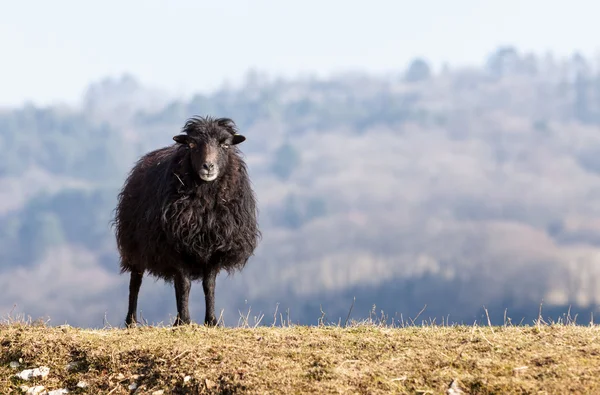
x: 520, y: 370
x: 135, y: 376
x: 27, y: 374
x: 454, y: 389
x: 132, y: 386
x: 120, y: 377
x: 159, y: 392
x: 72, y: 365
x: 209, y: 384
x: 82, y: 384
x: 59, y: 392
x: 187, y: 378
x: 37, y: 390
x: 14, y: 364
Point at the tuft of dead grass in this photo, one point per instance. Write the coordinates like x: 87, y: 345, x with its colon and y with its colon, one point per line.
x: 360, y: 358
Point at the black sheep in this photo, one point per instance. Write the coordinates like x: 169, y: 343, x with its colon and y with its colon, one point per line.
x: 186, y: 212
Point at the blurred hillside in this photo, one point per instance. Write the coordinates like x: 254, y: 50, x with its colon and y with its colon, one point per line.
x: 453, y: 189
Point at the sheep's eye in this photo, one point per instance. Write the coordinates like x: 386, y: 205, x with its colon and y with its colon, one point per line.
x: 192, y: 145
x: 225, y: 145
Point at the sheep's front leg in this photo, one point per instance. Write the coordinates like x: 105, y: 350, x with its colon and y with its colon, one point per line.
x: 135, y: 282
x: 182, y: 295
x: 208, y: 284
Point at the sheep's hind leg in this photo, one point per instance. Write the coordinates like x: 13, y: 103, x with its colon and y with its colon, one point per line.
x: 182, y: 295
x: 208, y: 284
x: 135, y: 282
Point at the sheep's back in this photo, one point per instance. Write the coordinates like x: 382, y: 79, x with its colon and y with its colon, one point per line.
x: 140, y: 236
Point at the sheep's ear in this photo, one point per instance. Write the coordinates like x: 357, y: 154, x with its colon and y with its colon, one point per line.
x: 237, y: 138
x: 182, y: 139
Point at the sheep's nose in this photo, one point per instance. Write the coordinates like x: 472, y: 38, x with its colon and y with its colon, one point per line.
x: 208, y: 166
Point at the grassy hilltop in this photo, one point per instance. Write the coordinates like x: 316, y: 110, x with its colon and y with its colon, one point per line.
x: 299, y: 359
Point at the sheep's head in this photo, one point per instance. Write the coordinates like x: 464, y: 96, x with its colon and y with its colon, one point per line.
x: 210, y: 143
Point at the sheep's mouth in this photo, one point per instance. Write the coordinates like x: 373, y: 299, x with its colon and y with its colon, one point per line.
x: 206, y: 176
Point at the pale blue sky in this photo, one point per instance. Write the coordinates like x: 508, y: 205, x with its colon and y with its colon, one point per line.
x: 51, y: 50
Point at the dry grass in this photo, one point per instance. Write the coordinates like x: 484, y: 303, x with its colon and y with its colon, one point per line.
x: 299, y: 359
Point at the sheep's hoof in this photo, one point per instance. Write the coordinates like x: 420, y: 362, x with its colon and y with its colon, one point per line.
x: 130, y: 324
x: 210, y: 322
x: 180, y: 322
